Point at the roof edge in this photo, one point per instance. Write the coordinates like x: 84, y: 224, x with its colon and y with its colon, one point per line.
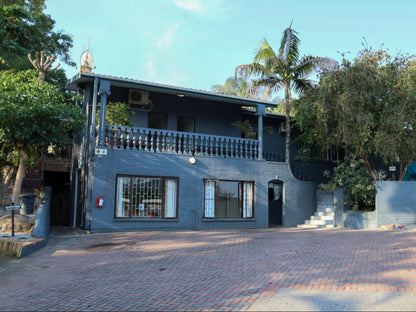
x: 152, y: 86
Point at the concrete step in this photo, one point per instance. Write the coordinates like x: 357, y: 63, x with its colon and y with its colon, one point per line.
x: 321, y: 222
x: 327, y: 209
x: 314, y: 226
x: 308, y: 226
x: 322, y: 217
x: 323, y: 213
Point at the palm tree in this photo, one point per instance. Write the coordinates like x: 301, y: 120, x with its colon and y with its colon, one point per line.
x: 238, y: 86
x: 283, y: 69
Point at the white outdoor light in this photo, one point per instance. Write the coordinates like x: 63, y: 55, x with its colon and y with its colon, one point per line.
x: 192, y: 160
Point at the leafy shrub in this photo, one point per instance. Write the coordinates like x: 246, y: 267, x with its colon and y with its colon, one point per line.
x: 352, y: 176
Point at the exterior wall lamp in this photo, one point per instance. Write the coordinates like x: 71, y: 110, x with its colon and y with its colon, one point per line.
x: 192, y: 160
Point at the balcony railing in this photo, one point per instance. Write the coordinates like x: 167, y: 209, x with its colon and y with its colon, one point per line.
x: 176, y: 142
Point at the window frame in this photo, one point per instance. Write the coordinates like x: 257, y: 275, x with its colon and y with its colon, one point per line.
x: 241, y: 195
x: 163, y: 116
x: 163, y: 195
x: 183, y: 117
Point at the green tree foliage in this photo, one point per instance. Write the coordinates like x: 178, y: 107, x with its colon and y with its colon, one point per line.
x: 239, y: 86
x: 367, y: 107
x: 117, y: 113
x: 352, y: 177
x: 24, y: 28
x: 247, y: 129
x: 285, y: 69
x: 33, y: 116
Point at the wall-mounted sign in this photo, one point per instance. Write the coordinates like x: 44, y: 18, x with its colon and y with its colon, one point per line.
x: 392, y: 168
x: 16, y: 207
x: 100, y: 151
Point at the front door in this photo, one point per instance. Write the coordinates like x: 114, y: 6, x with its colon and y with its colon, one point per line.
x: 275, y: 202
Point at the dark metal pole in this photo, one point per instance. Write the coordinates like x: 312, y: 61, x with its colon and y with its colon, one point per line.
x: 12, y: 222
x: 12, y: 217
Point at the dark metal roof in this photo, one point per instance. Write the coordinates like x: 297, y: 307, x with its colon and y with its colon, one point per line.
x: 83, y: 78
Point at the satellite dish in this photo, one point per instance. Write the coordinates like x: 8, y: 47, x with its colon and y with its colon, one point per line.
x: 86, y: 62
x: 87, y: 59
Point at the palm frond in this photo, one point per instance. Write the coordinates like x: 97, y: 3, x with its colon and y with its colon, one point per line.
x: 289, y: 46
x: 246, y: 70
x: 264, y: 52
x: 266, y: 94
x: 305, y: 66
x: 301, y: 84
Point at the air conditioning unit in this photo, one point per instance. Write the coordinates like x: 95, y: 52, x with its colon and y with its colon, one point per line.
x: 139, y: 100
x: 282, y: 127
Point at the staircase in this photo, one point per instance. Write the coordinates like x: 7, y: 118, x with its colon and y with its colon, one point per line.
x: 324, y: 215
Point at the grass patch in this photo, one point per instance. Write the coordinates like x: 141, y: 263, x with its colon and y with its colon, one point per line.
x: 5, y: 257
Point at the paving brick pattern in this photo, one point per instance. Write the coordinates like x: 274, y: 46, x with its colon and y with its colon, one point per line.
x: 266, y: 269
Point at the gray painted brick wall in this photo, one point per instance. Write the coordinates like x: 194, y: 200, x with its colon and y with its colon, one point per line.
x: 396, y: 202
x: 360, y: 220
x: 299, y: 197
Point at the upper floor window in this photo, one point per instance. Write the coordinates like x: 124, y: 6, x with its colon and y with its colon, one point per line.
x: 157, y: 121
x: 313, y: 152
x: 141, y: 197
x: 186, y: 124
x: 228, y: 199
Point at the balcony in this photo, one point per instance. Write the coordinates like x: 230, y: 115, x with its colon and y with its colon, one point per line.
x: 176, y: 142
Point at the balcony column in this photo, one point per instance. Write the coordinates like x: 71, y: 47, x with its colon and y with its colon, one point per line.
x: 104, y: 92
x: 260, y: 112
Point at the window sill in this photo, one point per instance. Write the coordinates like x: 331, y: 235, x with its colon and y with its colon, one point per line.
x: 145, y: 220
x: 229, y: 220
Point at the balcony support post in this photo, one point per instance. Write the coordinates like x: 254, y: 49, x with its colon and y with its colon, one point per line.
x: 261, y: 111
x: 104, y: 92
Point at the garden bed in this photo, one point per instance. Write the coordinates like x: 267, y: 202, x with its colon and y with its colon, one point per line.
x: 20, y: 245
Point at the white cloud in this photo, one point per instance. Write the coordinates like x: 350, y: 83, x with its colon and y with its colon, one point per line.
x: 191, y: 5
x: 151, y: 71
x: 166, y: 39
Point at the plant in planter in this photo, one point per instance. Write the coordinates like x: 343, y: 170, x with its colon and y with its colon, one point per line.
x: 247, y: 129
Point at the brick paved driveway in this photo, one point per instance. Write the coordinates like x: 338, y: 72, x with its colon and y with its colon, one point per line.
x: 278, y: 268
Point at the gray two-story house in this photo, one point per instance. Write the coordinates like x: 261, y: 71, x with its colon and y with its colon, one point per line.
x: 184, y: 164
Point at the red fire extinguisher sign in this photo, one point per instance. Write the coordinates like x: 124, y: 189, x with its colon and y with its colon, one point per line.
x: 100, y: 201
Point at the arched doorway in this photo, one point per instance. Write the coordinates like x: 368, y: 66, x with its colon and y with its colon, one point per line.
x: 275, y: 202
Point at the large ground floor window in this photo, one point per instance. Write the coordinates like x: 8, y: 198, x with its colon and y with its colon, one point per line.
x: 228, y: 199
x: 144, y: 197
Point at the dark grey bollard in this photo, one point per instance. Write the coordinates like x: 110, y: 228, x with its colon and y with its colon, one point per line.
x: 42, y: 221
x: 27, y: 203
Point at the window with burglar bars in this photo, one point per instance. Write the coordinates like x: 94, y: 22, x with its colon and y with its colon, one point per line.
x: 228, y: 199
x: 315, y: 153
x: 146, y: 197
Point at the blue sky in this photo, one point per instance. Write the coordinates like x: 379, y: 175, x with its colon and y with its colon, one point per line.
x: 198, y: 43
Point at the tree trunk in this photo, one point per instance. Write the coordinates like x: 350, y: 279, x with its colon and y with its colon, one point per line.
x: 368, y: 167
x: 287, y: 121
x: 19, y: 176
x: 403, y: 170
x: 41, y: 76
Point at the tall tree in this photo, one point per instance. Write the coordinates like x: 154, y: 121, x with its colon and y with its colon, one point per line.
x: 239, y: 86
x: 33, y: 115
x: 42, y: 64
x: 25, y: 28
x: 367, y: 107
x: 285, y: 69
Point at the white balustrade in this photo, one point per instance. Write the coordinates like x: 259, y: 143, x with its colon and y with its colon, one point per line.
x: 177, y: 142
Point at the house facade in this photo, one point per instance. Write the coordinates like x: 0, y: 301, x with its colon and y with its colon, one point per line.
x: 183, y: 164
